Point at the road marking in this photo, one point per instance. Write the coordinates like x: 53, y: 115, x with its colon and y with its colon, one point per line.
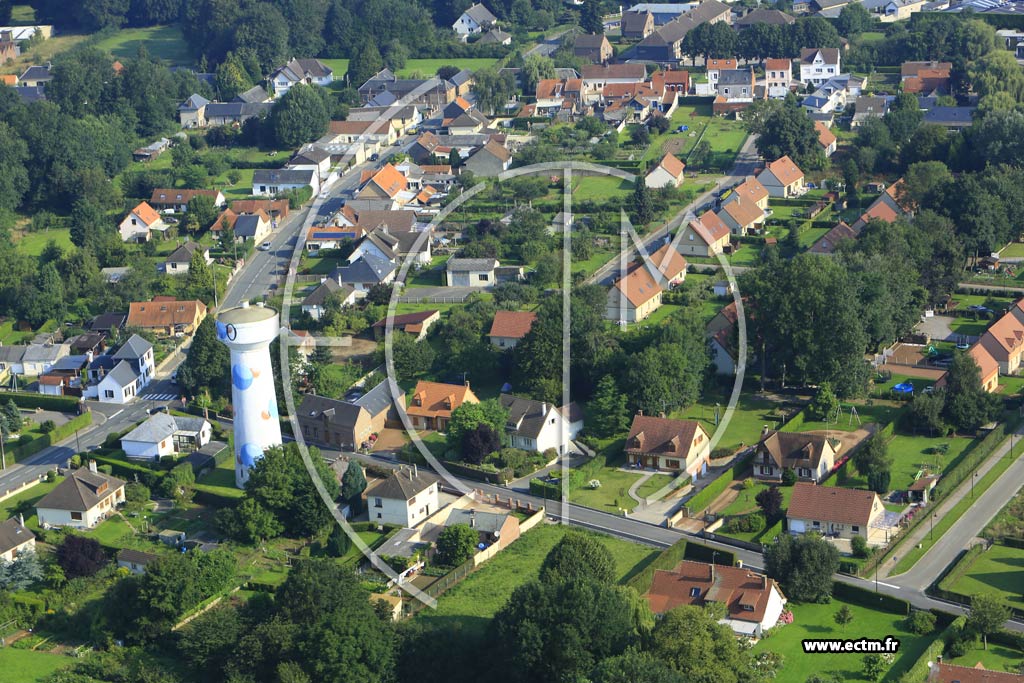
x: 116, y: 414
x: 887, y: 585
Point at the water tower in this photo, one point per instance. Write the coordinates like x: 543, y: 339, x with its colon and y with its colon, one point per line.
x: 247, y: 331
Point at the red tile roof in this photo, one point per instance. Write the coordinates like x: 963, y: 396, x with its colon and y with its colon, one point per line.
x: 832, y: 504
x: 785, y: 170
x: 512, y: 324
x: 694, y: 583
x: 662, y: 436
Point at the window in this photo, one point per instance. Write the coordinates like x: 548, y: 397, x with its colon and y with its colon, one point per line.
x: 412, y: 501
x: 855, y: 529
x: 765, y: 470
x: 107, y: 393
x: 378, y: 503
x: 816, y: 524
x: 695, y: 592
x: 726, y: 91
x: 76, y: 516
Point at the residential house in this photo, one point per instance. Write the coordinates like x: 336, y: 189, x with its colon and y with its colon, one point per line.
x: 663, y: 444
x: 166, y: 315
x: 11, y: 362
x: 334, y: 423
x: 164, y: 435
x: 710, y: 12
x: 952, y: 119
x: 838, y: 512
x: 466, y: 123
x: 315, y: 303
x: 637, y: 25
x: 307, y: 71
x: 594, y: 48
x: 890, y: 206
x: 925, y: 78
x: 432, y: 403
x: 384, y: 89
x: 405, y: 498
x: 830, y: 241
x: 782, y: 178
x: 750, y: 190
x: 508, y: 328
x: 597, y: 76
x: 490, y: 160
x: 272, y: 182
x: 277, y: 209
x: 987, y: 365
x: 476, y: 19
x: 84, y: 499
x: 499, y: 528
x: 772, y: 17
x: 89, y: 342
x: 867, y: 107
x: 119, y: 377
x: 1004, y: 339
x: 151, y: 151
x: 252, y: 226
x: 234, y: 113
x: 826, y: 139
x: 735, y: 91
x: 715, y: 67
x: 810, y: 456
x: 417, y: 324
x: 15, y: 539
x: 175, y: 200
x: 179, y: 260
x: 39, y: 359
x: 943, y: 672
x: 365, y: 273
x: 313, y: 159
x: 108, y: 323
x: 778, y: 78
x: 36, y: 76
x: 495, y: 37
x: 668, y: 173
x: 471, y: 272
x: 138, y: 225
x: 753, y: 602
x: 633, y: 297
x: 661, y: 13
x: 135, y: 561
x: 536, y: 425
x: 742, y: 217
x: 30, y: 93
x: 402, y: 119
x: 666, y: 260
x: 722, y: 338
x: 1013, y: 39
x: 664, y: 44
x: 376, y: 132
x: 893, y: 10
x: 706, y: 236
x: 388, y: 188
x: 253, y: 95
x: 818, y: 65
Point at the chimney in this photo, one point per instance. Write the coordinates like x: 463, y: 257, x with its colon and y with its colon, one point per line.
x: 88, y: 356
x: 21, y: 519
x: 764, y: 431
x: 712, y: 572
x: 472, y: 519
x: 640, y: 413
x: 764, y: 581
x: 92, y: 466
x: 415, y: 470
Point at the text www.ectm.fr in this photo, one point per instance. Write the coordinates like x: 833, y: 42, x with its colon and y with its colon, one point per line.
x: 889, y: 645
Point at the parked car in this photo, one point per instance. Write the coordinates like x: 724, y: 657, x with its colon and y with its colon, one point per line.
x: 265, y: 246
x: 158, y: 409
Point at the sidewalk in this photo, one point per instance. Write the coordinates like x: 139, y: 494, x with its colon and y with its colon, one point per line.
x: 970, y: 524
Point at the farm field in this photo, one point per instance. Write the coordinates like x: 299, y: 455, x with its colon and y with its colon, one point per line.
x: 163, y: 42
x: 815, y: 621
x: 474, y: 601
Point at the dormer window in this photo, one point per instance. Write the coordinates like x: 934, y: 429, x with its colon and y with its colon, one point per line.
x: 695, y: 592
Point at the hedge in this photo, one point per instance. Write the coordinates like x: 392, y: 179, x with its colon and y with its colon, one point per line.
x: 958, y: 568
x: 57, y: 435
x: 29, y: 401
x: 666, y: 559
x: 918, y: 671
x: 869, y: 598
x: 546, y: 490
x: 498, y: 477
x: 707, y: 495
x: 705, y: 553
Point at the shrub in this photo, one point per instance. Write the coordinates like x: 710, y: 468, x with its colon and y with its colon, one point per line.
x: 920, y: 622
x: 51, y: 476
x: 112, y: 440
x: 134, y: 492
x: 47, y: 426
x: 860, y: 547
x: 106, y: 469
x: 788, y: 477
x: 76, y: 461
x: 751, y: 523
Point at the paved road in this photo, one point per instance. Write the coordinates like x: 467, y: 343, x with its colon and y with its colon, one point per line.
x: 746, y: 163
x: 546, y: 47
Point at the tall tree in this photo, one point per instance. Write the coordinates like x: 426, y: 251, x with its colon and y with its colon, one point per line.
x: 456, y: 544
x: 590, y: 17
x: 208, y: 363
x: 300, y: 116
x: 988, y: 614
x: 366, y: 61
x: 14, y: 180
x: 968, y: 405
x: 789, y: 131
x: 641, y: 204
x: 353, y: 483
x: 264, y: 30
x: 607, y: 410
x: 804, y: 565
x: 579, y: 557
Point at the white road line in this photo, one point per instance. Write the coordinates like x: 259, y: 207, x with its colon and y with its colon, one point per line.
x: 887, y: 585
x: 116, y: 414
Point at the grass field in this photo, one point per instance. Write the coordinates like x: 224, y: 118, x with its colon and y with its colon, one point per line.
x: 879, y: 412
x: 32, y: 494
x: 33, y: 243
x: 163, y: 42
x: 751, y: 414
x: 612, y: 494
x: 600, y: 188
x: 424, y: 67
x: 28, y: 666
x: 999, y: 570
x: 909, y: 456
x: 815, y: 621
x: 995, y: 658
x: 41, y: 53
x: 473, y: 602
x: 654, y: 484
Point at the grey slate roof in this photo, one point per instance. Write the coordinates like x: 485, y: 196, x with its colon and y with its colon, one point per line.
x: 525, y: 416
x: 216, y: 110
x: 36, y: 73
x: 183, y: 254
x: 104, y: 362
x: 194, y: 102
x: 319, y: 295
x: 76, y: 362
x: 950, y: 116
x: 133, y: 349
x: 367, y: 268
x: 297, y: 70
x: 13, y: 534
x: 286, y: 176
x: 36, y: 353
x: 30, y: 93
x: 252, y: 95
x: 246, y: 225
x: 105, y: 322
x: 78, y: 491
x: 338, y: 413
x: 462, y: 77
x: 590, y: 40
x: 480, y: 14
x: 377, y: 400
x: 123, y: 373
x: 160, y: 426
x: 136, y: 557
x: 404, y: 485
x: 12, y: 354
x: 469, y: 264
x: 735, y: 77
x: 764, y: 16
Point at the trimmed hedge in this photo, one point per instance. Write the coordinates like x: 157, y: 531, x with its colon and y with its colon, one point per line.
x: 707, y: 495
x: 666, y: 559
x: 476, y: 474
x: 30, y: 401
x: 705, y: 553
x: 869, y: 598
x: 545, y: 490
x: 23, y: 450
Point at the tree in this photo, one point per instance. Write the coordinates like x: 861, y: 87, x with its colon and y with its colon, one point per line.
x: 14, y: 182
x: 256, y: 523
x: 80, y: 556
x: 201, y: 212
x: 700, y: 155
x: 635, y: 665
x: 859, y: 546
x: 280, y: 482
x: 479, y: 442
x: 804, y: 565
x: 968, y: 406
x: 338, y: 543
x: 579, y: 557
x: 264, y: 31
x: 641, y: 204
x: 788, y: 131
x: 607, y: 410
x: 300, y: 116
x: 88, y: 224
x: 366, y: 61
x: 824, y: 405
x: 456, y: 544
x: 590, y: 17
x: 231, y: 77
x: 843, y: 617
x: 199, y: 283
x: 468, y: 416
x: 770, y: 502
x: 875, y: 665
x: 178, y: 483
x: 853, y: 19
x: 411, y: 358
x: 988, y: 614
x: 22, y: 573
x: 685, y: 636
x: 208, y: 363
x: 353, y: 483
x: 873, y: 455
x: 878, y: 481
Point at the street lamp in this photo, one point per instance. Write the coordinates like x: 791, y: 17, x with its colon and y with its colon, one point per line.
x: 972, y: 484
x: 931, y: 532
x: 714, y: 555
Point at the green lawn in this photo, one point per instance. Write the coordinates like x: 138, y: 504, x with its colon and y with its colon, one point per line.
x: 32, y: 494
x: 23, y: 15
x: 221, y: 480
x: 880, y: 412
x: 995, y: 658
x: 654, y: 484
x: 28, y: 666
x: 612, y: 495
x: 969, y: 326
x: 425, y: 67
x: 164, y: 42
x: 815, y: 621
x: 33, y: 243
x: 999, y: 570
x: 660, y: 315
x: 112, y: 532
x: 744, y: 427
x: 909, y: 456
x: 600, y: 188
x: 1013, y: 250
x: 473, y: 602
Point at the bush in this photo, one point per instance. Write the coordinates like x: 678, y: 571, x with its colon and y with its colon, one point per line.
x: 76, y: 461
x: 920, y: 622
x: 134, y: 492
x: 788, y: 477
x: 751, y: 523
x: 112, y: 440
x: 47, y: 426
x: 106, y: 469
x: 860, y: 547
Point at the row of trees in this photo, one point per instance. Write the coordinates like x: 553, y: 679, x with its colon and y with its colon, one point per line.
x: 759, y: 41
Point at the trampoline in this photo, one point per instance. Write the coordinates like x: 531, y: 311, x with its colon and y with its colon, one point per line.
x: 904, y: 388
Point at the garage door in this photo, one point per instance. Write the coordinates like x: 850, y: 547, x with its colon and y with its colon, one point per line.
x: 797, y: 526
